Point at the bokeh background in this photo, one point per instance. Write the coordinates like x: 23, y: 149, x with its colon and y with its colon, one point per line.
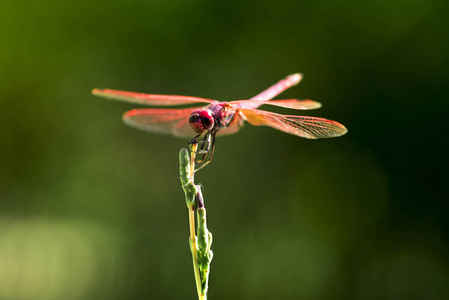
x: 93, y: 209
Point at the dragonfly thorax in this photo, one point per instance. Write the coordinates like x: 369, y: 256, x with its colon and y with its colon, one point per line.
x: 223, y: 114
x: 201, y: 120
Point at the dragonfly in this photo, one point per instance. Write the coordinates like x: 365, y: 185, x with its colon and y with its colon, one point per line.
x: 211, y: 118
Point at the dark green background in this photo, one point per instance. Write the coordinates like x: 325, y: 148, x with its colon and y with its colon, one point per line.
x: 93, y: 209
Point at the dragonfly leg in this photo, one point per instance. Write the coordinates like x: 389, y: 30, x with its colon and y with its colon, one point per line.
x: 207, y: 157
x: 206, y: 147
x: 203, y: 145
x: 193, y: 141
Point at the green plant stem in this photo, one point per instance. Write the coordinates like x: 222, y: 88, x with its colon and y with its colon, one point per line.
x: 204, y: 243
x: 192, y: 191
x: 194, y: 250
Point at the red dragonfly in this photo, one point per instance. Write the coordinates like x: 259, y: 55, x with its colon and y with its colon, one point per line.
x: 220, y: 118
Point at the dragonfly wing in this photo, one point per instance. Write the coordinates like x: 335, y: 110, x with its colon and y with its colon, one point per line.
x: 286, y: 103
x: 148, y: 99
x: 306, y: 127
x: 275, y: 90
x: 158, y: 120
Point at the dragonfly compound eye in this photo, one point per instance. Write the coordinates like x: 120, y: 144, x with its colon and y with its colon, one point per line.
x: 201, y: 120
x: 207, y: 119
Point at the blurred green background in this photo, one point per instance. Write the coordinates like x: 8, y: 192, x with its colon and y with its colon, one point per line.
x: 93, y: 209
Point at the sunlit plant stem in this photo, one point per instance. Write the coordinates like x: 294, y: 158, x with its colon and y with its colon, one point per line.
x: 199, y: 246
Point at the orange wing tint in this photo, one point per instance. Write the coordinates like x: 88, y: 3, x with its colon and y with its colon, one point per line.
x: 306, y: 127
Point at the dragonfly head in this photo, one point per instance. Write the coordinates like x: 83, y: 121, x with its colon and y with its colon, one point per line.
x: 201, y: 120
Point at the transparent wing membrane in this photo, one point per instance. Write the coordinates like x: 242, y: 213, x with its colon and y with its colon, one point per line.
x: 275, y: 90
x: 286, y: 103
x: 306, y: 127
x: 148, y: 99
x: 166, y: 121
